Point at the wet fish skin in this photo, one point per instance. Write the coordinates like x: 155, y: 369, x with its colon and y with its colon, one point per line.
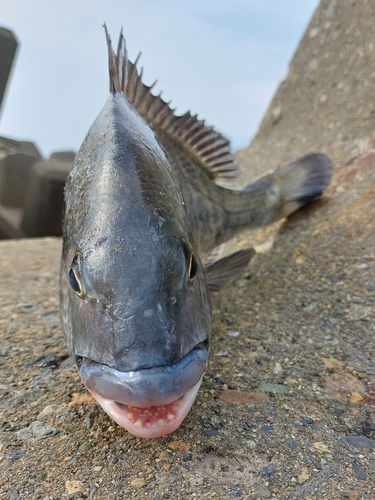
x: 141, y: 208
x: 120, y: 223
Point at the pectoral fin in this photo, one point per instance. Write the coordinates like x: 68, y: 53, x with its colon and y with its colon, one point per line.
x: 221, y: 272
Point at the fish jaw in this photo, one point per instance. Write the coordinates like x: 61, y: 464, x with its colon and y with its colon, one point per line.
x: 153, y: 421
x: 149, y: 402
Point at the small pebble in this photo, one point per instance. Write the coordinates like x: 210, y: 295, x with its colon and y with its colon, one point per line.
x: 358, y: 471
x: 274, y: 388
x: 267, y: 471
x: 138, y: 482
x: 35, y: 431
x: 307, y: 421
x: 251, y: 444
x: 266, y: 429
x: 360, y: 442
x: 211, y: 433
x: 15, y: 454
x: 73, y: 487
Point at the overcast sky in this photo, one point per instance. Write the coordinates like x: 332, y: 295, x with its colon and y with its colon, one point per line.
x: 220, y: 59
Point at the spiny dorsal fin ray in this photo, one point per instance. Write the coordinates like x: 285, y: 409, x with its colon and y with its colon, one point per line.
x: 200, y: 140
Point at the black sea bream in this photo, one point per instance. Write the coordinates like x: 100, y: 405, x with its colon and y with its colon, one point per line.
x: 144, y: 204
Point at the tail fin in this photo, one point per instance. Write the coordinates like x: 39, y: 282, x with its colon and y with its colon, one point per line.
x: 301, y: 181
x: 276, y: 195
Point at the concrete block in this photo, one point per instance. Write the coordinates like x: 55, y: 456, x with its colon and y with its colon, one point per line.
x: 11, y: 147
x: 63, y: 155
x: 14, y: 178
x: 16, y: 160
x: 45, y: 197
x: 8, y: 47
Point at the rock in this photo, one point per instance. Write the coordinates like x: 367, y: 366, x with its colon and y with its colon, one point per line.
x: 36, y: 431
x: 235, y: 494
x: 73, y: 487
x: 304, y: 476
x: 51, y: 410
x: 262, y: 492
x: 342, y: 385
x: 211, y: 433
x: 328, y: 472
x: 15, y: 454
x: 321, y: 447
x: 243, y: 397
x: 358, y: 471
x: 267, y: 471
x: 138, y: 483
x: 232, y: 471
x: 360, y: 442
x: 251, y: 444
x: 333, y: 363
x: 179, y: 445
x: 274, y: 388
x: 266, y: 429
x: 355, y: 397
x: 232, y: 333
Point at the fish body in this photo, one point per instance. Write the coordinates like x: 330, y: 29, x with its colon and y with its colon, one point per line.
x: 142, y: 206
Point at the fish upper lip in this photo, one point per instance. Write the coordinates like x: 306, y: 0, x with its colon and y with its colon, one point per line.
x: 146, y: 387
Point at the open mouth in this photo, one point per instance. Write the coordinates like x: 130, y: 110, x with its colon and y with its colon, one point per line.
x: 149, y: 402
x: 152, y: 421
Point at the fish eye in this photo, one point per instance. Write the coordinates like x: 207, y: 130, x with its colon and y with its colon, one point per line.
x: 191, y: 261
x: 192, y: 268
x: 74, y: 279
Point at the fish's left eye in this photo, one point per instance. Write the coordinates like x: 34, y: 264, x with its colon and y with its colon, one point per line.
x: 191, y: 262
x: 75, y: 278
x: 192, y: 268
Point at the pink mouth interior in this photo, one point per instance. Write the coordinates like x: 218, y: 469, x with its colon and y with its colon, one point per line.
x: 152, y: 421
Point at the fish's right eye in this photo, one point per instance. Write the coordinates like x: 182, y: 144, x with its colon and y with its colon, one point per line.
x: 75, y: 283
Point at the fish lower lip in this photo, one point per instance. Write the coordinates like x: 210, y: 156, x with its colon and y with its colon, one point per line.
x: 152, y: 421
x: 147, y: 387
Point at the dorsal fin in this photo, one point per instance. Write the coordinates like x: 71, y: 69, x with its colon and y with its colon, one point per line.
x: 209, y: 147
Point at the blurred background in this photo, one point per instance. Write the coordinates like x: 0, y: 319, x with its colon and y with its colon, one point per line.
x: 220, y: 59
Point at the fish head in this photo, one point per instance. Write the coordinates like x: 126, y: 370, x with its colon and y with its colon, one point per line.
x: 135, y: 307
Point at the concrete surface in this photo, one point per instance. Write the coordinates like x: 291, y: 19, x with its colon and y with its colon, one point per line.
x: 8, y: 47
x: 329, y: 92
x: 304, y: 313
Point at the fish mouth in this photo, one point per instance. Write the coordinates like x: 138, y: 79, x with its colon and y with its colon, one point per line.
x: 152, y: 421
x: 151, y: 402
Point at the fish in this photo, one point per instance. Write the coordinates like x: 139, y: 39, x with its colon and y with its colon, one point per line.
x: 150, y: 197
